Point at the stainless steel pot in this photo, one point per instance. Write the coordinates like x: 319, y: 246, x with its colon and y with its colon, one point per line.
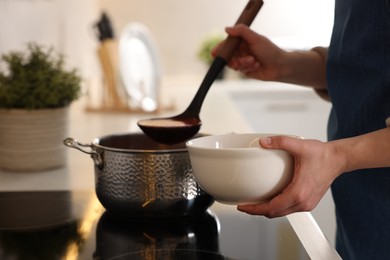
x: 139, y: 178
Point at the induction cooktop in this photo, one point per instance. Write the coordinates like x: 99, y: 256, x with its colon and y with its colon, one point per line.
x: 73, y: 225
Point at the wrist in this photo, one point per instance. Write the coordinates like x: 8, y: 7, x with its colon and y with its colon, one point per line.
x: 305, y: 68
x: 340, y: 157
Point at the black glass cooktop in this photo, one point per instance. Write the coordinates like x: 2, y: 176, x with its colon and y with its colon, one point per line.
x: 73, y: 225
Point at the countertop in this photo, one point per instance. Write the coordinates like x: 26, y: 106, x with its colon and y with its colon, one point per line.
x: 219, y: 115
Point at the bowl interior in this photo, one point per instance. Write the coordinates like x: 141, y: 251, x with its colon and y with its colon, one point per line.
x: 228, y: 141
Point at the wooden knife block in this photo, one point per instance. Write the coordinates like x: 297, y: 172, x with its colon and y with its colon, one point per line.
x: 111, y: 98
x: 114, y: 96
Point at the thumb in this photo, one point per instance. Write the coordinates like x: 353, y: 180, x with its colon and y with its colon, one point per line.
x: 235, y: 31
x: 244, y: 32
x: 286, y: 143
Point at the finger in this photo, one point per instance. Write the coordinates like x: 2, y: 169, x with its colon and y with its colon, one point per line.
x: 249, y: 69
x: 243, y: 63
x: 270, y: 210
x: 242, y: 31
x: 234, y: 31
x: 214, y: 50
x: 246, y: 64
x: 289, y: 201
x: 246, y: 61
x: 287, y: 143
x: 276, y: 207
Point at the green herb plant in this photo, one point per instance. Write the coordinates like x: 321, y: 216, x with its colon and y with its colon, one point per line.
x: 204, y: 52
x: 37, y: 79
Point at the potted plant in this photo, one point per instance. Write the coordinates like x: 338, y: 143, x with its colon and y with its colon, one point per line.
x: 35, y: 93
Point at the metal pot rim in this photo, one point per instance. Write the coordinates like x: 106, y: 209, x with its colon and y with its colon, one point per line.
x: 135, y: 143
x: 96, y: 145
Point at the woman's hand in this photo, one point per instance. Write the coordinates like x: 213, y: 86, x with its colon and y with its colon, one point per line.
x: 316, y: 166
x: 257, y: 57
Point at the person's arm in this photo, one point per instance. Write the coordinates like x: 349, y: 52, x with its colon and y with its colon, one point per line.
x: 260, y: 58
x: 370, y: 150
x: 305, y: 68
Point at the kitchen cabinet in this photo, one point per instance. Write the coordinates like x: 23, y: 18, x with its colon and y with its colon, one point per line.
x: 286, y: 111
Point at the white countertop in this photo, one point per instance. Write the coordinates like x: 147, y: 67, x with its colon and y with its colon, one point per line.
x: 219, y: 115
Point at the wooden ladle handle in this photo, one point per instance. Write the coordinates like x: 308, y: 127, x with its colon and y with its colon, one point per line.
x: 247, y: 16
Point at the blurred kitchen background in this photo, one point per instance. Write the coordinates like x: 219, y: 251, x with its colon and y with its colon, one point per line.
x: 178, y: 28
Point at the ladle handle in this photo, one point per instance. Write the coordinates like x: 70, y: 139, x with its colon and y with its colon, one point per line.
x: 247, y: 16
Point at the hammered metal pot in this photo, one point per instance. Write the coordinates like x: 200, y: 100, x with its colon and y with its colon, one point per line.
x: 138, y: 178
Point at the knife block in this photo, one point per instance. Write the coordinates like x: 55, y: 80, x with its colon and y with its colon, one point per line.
x: 111, y: 100
x: 114, y: 99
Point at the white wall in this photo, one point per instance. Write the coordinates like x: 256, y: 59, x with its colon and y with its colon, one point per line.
x: 179, y: 26
x: 63, y: 24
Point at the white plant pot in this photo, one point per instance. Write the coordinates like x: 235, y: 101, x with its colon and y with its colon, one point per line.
x: 31, y: 140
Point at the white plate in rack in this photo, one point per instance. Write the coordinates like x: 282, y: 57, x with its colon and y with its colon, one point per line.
x: 139, y: 66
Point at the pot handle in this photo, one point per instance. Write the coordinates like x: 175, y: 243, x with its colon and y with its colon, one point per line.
x: 73, y: 143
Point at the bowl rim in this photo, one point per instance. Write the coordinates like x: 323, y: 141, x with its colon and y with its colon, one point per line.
x: 192, y: 144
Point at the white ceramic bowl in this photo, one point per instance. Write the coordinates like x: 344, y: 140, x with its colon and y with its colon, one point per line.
x: 234, y: 169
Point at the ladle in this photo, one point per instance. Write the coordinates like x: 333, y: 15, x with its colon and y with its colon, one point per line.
x: 176, y: 129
